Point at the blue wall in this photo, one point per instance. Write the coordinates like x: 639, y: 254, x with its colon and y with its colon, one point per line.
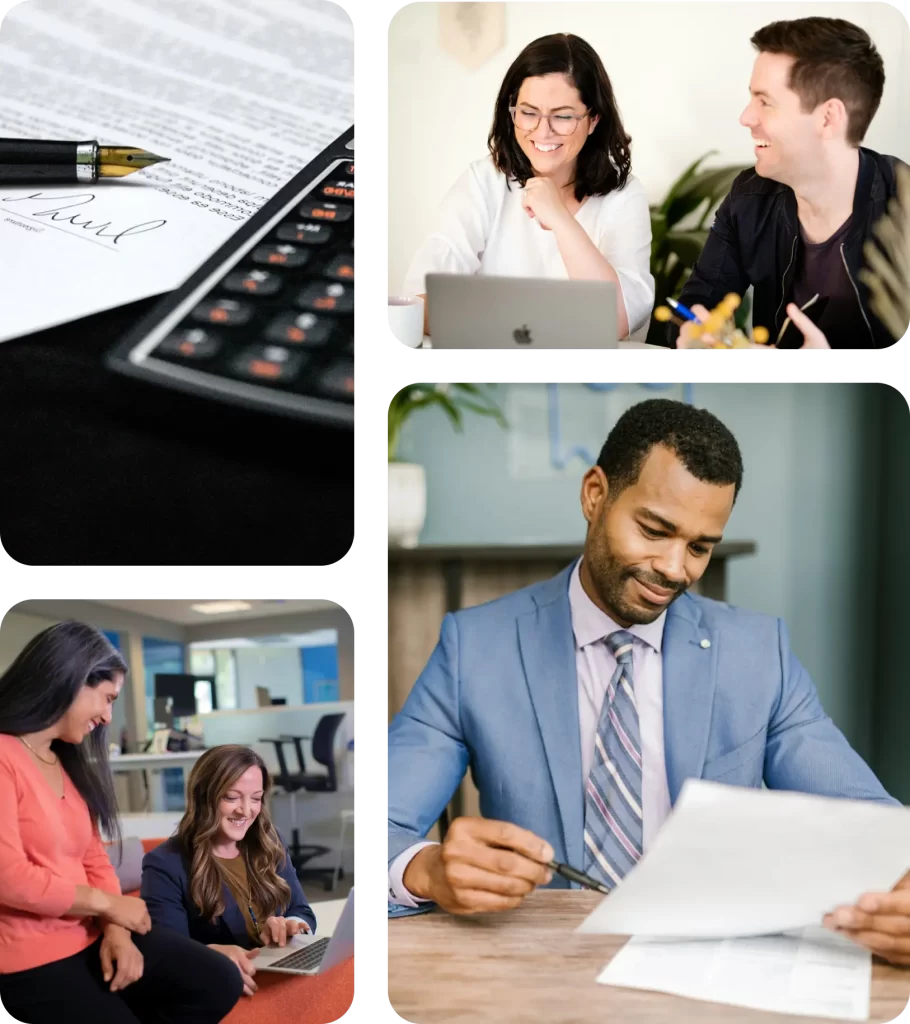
x: 810, y: 500
x: 320, y: 673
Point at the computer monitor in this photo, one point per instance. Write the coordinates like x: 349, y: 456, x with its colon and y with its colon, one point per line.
x: 182, y: 690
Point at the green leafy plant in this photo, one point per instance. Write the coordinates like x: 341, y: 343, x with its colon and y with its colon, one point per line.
x: 453, y: 399
x: 674, y: 249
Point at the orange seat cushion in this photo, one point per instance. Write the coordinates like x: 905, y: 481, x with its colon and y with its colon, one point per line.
x: 297, y: 999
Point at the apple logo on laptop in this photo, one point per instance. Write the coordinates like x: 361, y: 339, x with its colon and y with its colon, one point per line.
x: 522, y: 335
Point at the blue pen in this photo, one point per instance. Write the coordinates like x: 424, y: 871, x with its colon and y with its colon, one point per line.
x: 683, y: 311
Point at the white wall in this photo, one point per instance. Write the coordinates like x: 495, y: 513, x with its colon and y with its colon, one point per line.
x: 680, y: 72
x: 16, y: 629
x: 278, y: 669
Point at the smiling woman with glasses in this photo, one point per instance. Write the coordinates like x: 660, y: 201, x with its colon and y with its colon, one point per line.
x: 555, y: 197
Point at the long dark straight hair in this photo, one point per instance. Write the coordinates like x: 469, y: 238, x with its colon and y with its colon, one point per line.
x: 38, y: 688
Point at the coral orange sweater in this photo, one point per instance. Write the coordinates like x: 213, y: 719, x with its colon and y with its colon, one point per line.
x: 48, y: 846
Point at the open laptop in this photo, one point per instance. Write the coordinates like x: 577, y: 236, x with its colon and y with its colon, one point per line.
x: 309, y: 954
x: 520, y: 312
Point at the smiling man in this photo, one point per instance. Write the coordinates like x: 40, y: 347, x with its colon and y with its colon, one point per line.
x: 794, y: 226
x: 583, y: 703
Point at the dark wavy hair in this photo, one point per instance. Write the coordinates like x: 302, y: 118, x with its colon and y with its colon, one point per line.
x: 833, y: 58
x: 37, y: 690
x: 605, y: 160
x: 698, y: 439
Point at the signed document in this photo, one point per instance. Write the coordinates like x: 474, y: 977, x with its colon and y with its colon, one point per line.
x: 240, y: 94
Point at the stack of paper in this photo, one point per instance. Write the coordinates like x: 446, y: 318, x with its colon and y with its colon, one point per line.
x: 239, y: 96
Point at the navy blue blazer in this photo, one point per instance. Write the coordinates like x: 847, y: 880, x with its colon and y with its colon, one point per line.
x: 165, y: 889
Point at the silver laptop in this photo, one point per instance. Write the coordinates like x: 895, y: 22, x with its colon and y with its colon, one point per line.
x: 520, y: 312
x: 308, y: 954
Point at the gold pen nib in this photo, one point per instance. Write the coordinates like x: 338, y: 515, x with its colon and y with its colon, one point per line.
x: 118, y: 161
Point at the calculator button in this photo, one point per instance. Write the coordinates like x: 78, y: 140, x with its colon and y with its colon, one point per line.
x: 300, y: 329
x: 280, y: 256
x: 269, y: 364
x: 253, y: 282
x: 341, y: 269
x: 192, y: 343
x: 326, y: 212
x: 306, y: 232
x: 223, y: 311
x: 327, y: 297
x: 338, y: 380
x: 337, y: 188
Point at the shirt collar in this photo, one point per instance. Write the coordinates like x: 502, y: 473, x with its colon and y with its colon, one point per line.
x: 590, y: 624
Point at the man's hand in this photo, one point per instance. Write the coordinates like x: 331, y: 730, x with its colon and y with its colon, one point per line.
x: 879, y: 921
x: 482, y: 866
x: 280, y: 929
x: 812, y: 335
x: 243, y: 958
x: 542, y: 200
x: 118, y: 948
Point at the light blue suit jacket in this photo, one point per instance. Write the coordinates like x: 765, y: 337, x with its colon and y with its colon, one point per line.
x: 499, y: 697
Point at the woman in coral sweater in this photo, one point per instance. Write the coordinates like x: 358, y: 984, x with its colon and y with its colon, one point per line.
x: 68, y: 937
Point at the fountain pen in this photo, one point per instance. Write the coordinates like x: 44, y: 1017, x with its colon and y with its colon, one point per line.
x: 33, y: 161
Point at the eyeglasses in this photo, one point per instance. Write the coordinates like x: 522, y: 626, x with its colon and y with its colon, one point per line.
x: 560, y: 124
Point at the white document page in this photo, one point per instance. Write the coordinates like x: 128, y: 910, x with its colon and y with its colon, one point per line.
x: 731, y: 861
x: 240, y: 94
x: 812, y: 972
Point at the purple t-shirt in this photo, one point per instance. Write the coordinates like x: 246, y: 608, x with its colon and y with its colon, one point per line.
x: 820, y: 270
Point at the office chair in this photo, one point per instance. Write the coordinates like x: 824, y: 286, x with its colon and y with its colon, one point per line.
x: 323, y: 750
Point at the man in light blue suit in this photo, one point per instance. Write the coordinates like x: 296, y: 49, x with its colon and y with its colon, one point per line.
x: 581, y: 704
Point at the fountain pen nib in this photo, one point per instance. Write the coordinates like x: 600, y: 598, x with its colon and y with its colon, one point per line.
x: 118, y: 161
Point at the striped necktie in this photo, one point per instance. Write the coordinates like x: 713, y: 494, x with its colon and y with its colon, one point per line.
x: 613, y: 832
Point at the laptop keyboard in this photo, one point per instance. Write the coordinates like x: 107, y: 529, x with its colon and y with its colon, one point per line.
x: 272, y: 323
x: 306, y: 959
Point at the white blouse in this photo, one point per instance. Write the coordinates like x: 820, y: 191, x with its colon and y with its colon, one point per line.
x: 482, y: 228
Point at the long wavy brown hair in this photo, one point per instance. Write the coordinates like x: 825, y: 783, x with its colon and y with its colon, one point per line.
x: 261, y: 848
x: 605, y: 160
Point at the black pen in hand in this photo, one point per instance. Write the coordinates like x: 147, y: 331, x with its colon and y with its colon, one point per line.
x: 577, y: 876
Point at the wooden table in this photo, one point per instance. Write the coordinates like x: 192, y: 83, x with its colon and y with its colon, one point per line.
x: 529, y: 965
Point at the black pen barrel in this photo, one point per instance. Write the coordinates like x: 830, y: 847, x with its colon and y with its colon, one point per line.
x: 31, y: 161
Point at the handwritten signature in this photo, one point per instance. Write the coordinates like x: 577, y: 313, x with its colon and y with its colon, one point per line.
x: 59, y: 214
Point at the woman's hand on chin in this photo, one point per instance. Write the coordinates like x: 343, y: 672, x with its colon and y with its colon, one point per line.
x: 542, y: 200
x: 279, y: 929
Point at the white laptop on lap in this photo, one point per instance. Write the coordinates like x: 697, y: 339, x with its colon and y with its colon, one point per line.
x: 520, y: 312
x: 310, y: 954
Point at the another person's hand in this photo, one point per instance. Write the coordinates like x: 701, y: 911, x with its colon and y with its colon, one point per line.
x: 128, y: 911
x: 243, y: 958
x: 880, y: 921
x: 543, y: 201
x: 118, y: 948
x: 686, y: 332
x: 280, y: 929
x: 483, y: 865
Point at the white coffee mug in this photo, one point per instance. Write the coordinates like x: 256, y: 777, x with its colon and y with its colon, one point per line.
x: 406, y: 319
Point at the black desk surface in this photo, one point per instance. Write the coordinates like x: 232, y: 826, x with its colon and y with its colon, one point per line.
x: 96, y: 469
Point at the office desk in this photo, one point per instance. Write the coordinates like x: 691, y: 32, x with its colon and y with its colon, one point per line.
x: 155, y: 763
x: 428, y: 343
x: 97, y: 469
x: 528, y: 965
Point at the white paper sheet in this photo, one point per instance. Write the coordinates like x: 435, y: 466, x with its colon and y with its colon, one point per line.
x: 731, y: 861
x: 812, y: 972
x: 240, y: 94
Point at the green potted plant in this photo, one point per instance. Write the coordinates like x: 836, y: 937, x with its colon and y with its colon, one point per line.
x: 695, y: 195
x: 407, y: 481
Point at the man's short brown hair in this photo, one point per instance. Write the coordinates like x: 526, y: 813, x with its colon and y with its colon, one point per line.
x: 835, y: 59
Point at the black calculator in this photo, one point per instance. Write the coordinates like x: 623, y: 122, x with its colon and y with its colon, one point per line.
x: 268, y: 321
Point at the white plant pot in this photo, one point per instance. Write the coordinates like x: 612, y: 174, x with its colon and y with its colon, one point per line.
x: 407, y: 503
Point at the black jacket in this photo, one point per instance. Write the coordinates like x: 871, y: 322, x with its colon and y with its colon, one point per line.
x: 754, y: 241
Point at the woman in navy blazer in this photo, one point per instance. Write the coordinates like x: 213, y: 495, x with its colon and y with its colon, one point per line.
x: 225, y: 877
